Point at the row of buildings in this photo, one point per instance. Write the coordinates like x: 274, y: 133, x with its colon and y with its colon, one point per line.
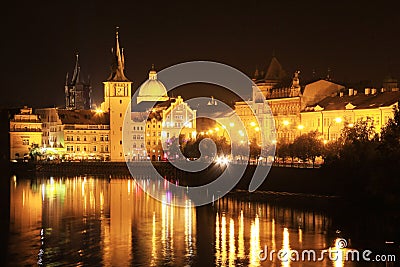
x: 119, y: 131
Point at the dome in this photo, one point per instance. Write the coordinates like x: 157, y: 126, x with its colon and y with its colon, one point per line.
x: 152, y: 89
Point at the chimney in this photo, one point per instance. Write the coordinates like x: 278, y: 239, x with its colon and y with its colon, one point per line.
x: 351, y: 91
x: 367, y: 91
x: 373, y: 91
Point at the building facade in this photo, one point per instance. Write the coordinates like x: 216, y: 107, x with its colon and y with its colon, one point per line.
x: 25, y: 133
x: 117, y: 97
x: 157, y: 120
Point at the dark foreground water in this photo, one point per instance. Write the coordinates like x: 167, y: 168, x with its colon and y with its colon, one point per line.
x: 87, y: 221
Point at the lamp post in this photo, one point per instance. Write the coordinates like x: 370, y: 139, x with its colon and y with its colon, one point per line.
x: 300, y: 127
x: 336, y: 120
x: 286, y: 124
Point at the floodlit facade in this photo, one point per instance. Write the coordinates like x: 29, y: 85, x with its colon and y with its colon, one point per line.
x: 332, y: 114
x: 321, y: 105
x: 117, y: 97
x: 25, y: 133
x: 156, y: 120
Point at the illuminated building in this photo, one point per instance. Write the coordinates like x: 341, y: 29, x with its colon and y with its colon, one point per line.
x: 75, y: 134
x: 331, y: 114
x: 117, y: 97
x: 162, y: 119
x: 77, y: 90
x: 256, y: 118
x: 322, y: 105
x: 25, y: 132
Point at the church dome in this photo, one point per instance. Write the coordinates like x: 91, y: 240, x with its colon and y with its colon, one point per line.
x: 152, y: 89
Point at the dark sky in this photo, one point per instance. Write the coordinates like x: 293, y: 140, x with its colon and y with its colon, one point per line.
x: 357, y: 40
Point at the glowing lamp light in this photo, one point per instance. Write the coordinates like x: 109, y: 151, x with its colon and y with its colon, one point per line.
x: 253, y: 124
x: 231, y: 124
x: 257, y: 129
x: 222, y: 160
x: 338, y: 120
x: 300, y: 127
x: 99, y: 111
x: 285, y: 122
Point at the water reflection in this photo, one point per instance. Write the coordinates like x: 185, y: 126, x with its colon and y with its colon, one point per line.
x: 84, y: 221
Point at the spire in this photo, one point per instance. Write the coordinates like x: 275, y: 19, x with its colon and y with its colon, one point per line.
x: 275, y: 72
x: 75, y: 75
x: 66, y: 79
x: 256, y: 73
x: 118, y: 65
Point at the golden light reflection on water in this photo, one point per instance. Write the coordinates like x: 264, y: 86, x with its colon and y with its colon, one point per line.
x: 114, y: 223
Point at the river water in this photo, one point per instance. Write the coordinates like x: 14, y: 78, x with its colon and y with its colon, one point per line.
x: 89, y: 221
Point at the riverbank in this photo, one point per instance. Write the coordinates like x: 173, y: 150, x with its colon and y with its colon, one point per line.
x: 279, y: 179
x: 320, y: 181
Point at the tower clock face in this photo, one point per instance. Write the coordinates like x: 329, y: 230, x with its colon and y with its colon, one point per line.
x: 120, y: 90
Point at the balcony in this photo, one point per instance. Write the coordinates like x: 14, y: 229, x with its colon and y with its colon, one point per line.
x: 25, y: 130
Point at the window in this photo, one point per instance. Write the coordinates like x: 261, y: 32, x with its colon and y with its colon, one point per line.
x: 101, y: 138
x: 120, y: 142
x: 120, y: 115
x: 134, y: 137
x: 154, y: 133
x: 84, y: 148
x: 94, y: 138
x: 25, y: 142
x: 78, y: 138
x: 106, y: 138
x: 141, y: 128
x: 134, y: 128
x: 94, y: 148
x: 120, y: 129
x: 106, y: 148
x: 134, y: 145
x: 78, y: 148
x: 120, y: 101
x: 84, y: 138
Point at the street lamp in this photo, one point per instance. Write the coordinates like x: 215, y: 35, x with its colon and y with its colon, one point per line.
x: 336, y: 120
x: 286, y: 123
x: 300, y: 127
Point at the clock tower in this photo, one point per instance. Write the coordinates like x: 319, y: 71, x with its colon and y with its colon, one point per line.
x: 117, y: 97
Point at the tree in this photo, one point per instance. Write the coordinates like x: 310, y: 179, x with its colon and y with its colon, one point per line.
x: 390, y: 138
x: 308, y: 147
x: 255, y: 149
x: 34, y: 152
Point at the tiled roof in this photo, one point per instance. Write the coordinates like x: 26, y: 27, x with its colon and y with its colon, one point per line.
x: 359, y: 101
x: 83, y: 117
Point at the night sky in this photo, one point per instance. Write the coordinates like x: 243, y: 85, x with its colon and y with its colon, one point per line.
x: 357, y: 41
